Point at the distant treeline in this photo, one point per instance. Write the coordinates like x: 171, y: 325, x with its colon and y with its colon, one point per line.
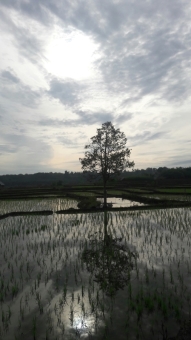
x: 45, y: 179
x: 78, y: 178
x: 161, y: 173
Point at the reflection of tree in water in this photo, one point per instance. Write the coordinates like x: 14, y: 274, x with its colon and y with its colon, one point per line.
x: 110, y: 262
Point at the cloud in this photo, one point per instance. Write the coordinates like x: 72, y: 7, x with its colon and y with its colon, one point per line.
x: 14, y: 91
x: 15, y: 149
x: 122, y: 118
x: 160, y: 66
x: 58, y: 123
x: 10, y: 77
x: 7, y: 149
x: 15, y: 142
x: 147, y: 136
x: 84, y: 118
x: 182, y: 162
x: 68, y: 92
x: 144, y: 47
x: 138, y: 74
x: 27, y: 41
x: 100, y: 117
x: 89, y: 118
x: 148, y: 55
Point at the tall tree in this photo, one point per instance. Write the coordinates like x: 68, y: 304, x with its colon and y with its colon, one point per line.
x: 107, y: 154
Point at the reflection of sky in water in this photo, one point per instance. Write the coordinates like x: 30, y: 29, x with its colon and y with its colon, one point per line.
x: 186, y: 198
x: 120, y: 202
x: 78, y: 318
x: 161, y: 238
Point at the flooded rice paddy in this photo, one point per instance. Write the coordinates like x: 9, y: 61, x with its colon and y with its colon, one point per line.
x: 118, y: 202
x: 186, y: 198
x: 62, y: 278
x: 53, y: 204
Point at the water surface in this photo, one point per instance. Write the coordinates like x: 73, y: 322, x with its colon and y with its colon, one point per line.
x: 47, y: 290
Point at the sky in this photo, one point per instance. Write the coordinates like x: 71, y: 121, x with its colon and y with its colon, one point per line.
x: 68, y: 66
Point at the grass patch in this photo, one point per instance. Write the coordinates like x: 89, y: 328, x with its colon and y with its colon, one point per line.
x: 115, y: 192
x: 139, y: 190
x: 84, y: 194
x: 88, y: 203
x: 176, y: 190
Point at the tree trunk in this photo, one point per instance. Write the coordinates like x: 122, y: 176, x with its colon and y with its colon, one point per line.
x: 105, y: 195
x: 106, y: 238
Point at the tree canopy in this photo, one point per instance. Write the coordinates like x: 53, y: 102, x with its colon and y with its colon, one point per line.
x: 107, y: 154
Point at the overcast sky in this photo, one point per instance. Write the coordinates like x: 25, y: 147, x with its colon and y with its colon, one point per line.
x: 68, y: 66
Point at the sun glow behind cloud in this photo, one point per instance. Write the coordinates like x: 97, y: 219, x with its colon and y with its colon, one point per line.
x: 71, y: 54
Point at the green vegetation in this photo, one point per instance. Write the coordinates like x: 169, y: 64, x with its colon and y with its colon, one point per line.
x: 153, y: 176
x: 84, y: 193
x: 136, y: 190
x: 88, y: 203
x: 115, y: 192
x: 176, y: 190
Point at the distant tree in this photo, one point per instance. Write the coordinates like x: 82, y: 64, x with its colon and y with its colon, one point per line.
x: 107, y: 154
x: 59, y: 183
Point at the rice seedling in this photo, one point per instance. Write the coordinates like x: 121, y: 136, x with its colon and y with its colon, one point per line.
x: 43, y: 269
